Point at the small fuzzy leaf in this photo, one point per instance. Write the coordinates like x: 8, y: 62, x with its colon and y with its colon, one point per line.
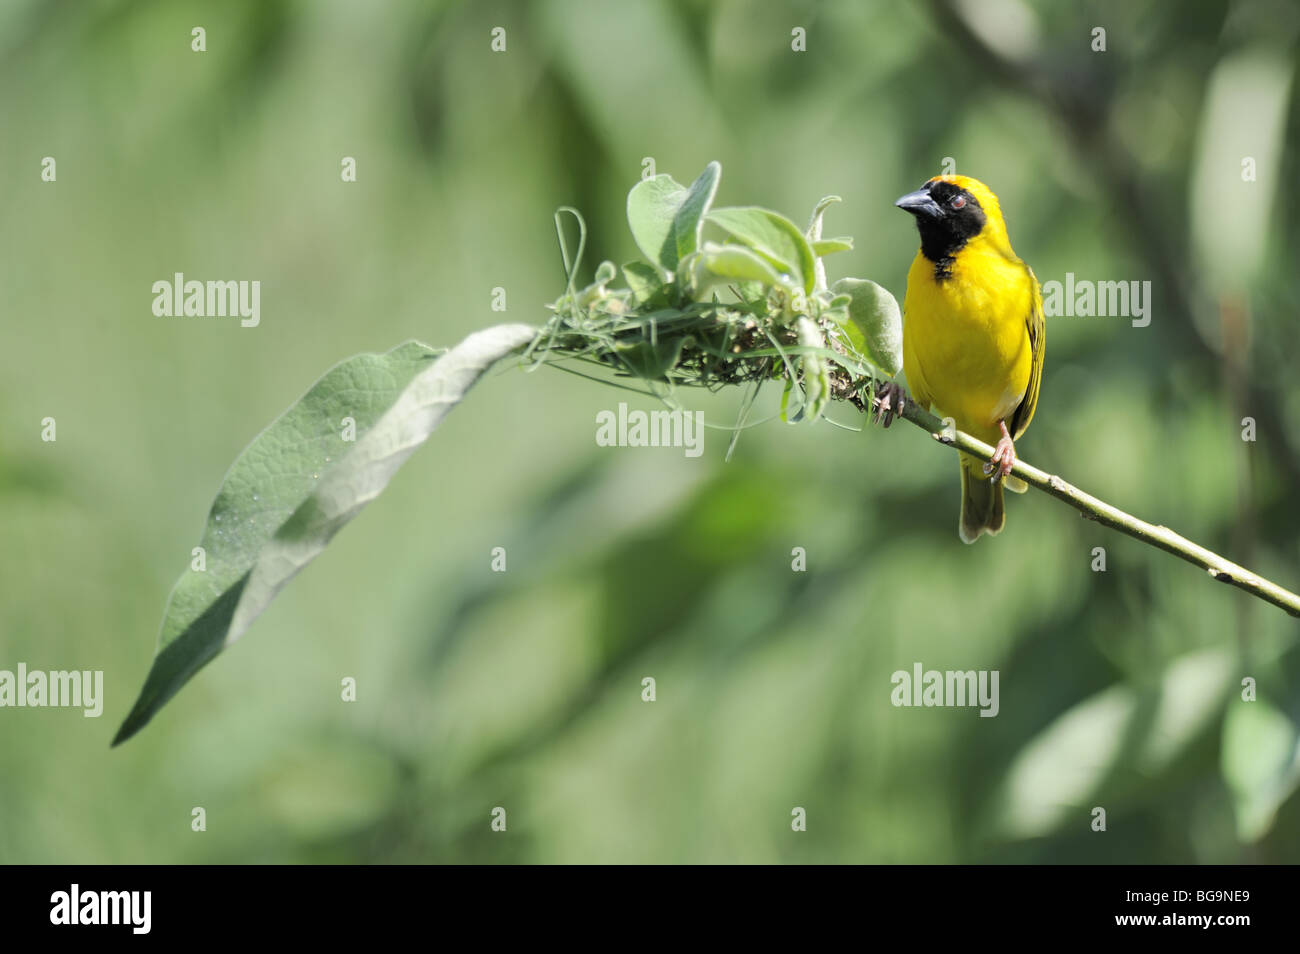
x: 651, y: 360
x: 605, y: 273
x: 876, y: 314
x: 815, y: 223
x: 722, y: 264
x: 689, y: 221
x: 643, y: 280
x: 666, y: 217
x: 772, y: 236
x: 652, y: 208
x: 816, y: 373
x: 831, y: 245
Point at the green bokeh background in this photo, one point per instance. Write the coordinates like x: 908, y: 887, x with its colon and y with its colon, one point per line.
x: 523, y: 690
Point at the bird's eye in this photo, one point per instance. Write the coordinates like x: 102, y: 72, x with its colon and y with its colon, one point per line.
x: 958, y: 202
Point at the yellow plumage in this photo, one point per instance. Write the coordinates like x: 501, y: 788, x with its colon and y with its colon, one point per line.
x: 973, y: 333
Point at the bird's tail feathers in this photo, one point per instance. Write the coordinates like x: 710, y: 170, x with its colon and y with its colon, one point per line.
x: 981, y: 502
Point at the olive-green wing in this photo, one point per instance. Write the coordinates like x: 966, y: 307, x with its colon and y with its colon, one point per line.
x: 1037, y: 329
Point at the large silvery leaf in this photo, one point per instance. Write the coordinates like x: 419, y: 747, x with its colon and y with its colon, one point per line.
x: 298, y: 483
x: 875, y: 313
x: 666, y: 217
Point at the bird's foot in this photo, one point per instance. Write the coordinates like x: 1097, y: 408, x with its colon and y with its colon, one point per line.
x: 890, y: 400
x: 1004, y: 456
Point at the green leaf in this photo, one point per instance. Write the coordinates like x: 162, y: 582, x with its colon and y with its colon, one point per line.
x: 1261, y: 763
x: 815, y: 223
x: 643, y: 280
x: 875, y: 313
x: 829, y: 246
x: 596, y: 291
x: 651, y: 360
x: 298, y: 483
x: 651, y: 211
x: 785, y: 400
x: 816, y: 373
x: 665, y: 217
x: 843, y: 329
x: 772, y: 236
x: 722, y: 264
x: 689, y: 221
x: 819, y: 248
x: 750, y: 291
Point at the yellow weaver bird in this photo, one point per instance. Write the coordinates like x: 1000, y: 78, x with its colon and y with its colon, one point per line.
x: 973, y: 336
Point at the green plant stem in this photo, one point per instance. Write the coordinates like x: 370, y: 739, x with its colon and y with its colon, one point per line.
x: 1219, y: 568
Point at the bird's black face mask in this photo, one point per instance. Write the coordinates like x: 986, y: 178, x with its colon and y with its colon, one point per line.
x: 947, y: 217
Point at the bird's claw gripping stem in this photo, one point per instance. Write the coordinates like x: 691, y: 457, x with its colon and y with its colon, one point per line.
x: 890, y: 400
x: 1004, y: 456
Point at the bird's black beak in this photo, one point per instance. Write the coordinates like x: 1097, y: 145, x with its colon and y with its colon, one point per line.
x: 920, y: 203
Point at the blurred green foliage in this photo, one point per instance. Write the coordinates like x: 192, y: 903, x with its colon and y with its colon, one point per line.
x: 478, y: 689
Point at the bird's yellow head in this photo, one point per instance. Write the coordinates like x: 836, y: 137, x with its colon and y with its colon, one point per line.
x: 954, y: 211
